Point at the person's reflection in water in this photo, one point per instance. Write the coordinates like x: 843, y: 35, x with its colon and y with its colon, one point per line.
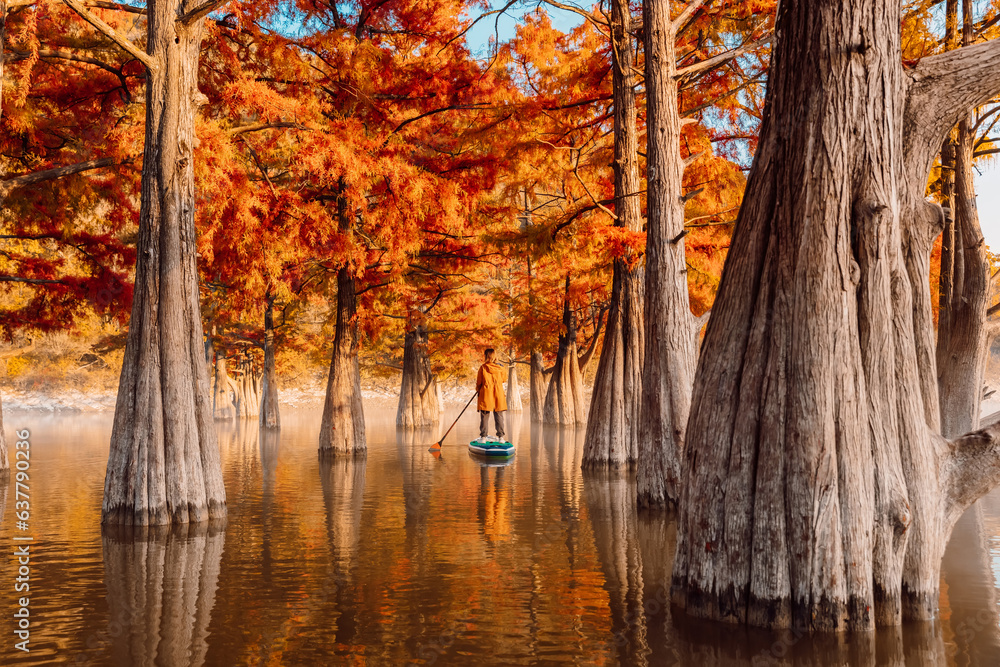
x: 161, y: 583
x: 495, y: 503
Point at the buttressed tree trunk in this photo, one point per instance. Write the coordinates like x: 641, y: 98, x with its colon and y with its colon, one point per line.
x: 613, y: 423
x: 513, y: 390
x: 4, y: 461
x: 342, y: 432
x: 270, y: 417
x: 962, y: 344
x: 223, y: 406
x: 817, y: 491
x: 536, y: 399
x: 564, y: 398
x: 670, y: 334
x: 418, y: 397
x: 164, y: 461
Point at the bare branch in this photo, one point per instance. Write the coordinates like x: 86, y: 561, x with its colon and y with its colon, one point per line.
x: 688, y: 12
x: 48, y: 174
x: 257, y: 127
x: 117, y: 6
x: 942, y: 89
x: 115, y: 36
x: 715, y: 61
x: 202, y: 10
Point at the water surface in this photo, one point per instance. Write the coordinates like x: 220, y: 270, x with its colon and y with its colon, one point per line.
x: 403, y: 558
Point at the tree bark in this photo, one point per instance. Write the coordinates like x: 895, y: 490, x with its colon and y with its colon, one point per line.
x: 270, y: 417
x: 342, y: 432
x: 418, y: 402
x: 164, y: 461
x: 536, y: 399
x: 564, y: 397
x: 816, y: 493
x: 670, y: 336
x: 4, y: 460
x: 514, y: 403
x: 962, y: 344
x: 223, y: 405
x: 613, y: 422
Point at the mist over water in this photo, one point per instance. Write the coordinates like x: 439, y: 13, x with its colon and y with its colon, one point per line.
x: 404, y: 558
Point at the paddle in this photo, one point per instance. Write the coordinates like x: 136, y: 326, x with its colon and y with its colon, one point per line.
x: 437, y: 445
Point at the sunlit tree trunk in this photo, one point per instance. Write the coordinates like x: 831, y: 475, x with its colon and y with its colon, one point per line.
x: 223, y: 406
x: 962, y: 346
x: 514, y: 403
x: 164, y: 462
x: 270, y: 417
x: 564, y: 397
x: 613, y: 422
x: 4, y: 461
x: 536, y: 398
x: 342, y: 431
x: 670, y: 335
x: 816, y: 491
x: 418, y: 397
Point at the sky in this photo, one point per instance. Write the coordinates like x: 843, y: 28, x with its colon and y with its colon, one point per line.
x: 987, y: 180
x: 988, y: 203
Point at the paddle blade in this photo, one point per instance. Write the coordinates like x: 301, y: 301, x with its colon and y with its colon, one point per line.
x: 436, y: 447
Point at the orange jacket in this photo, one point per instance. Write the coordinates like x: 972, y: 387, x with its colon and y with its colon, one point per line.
x: 489, y: 384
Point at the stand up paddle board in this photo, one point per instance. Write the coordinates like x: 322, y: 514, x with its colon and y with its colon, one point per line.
x: 492, y: 449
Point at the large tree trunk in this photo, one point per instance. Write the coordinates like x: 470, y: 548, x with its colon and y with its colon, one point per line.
x: 962, y: 344
x: 270, y: 417
x: 816, y: 492
x: 164, y: 461
x: 613, y: 422
x: 342, y: 432
x: 418, y: 397
x: 670, y: 336
x: 564, y: 397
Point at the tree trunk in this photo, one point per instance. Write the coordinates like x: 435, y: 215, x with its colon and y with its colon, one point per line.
x: 270, y: 417
x: 536, y: 398
x: 164, y: 461
x: 513, y: 390
x: 815, y: 491
x: 962, y: 345
x: 613, y: 422
x: 4, y: 460
x: 223, y: 404
x: 342, y: 432
x: 564, y: 397
x: 418, y: 399
x: 670, y: 336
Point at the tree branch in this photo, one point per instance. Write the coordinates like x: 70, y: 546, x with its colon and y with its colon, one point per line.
x: 115, y: 36
x: 48, y: 174
x: 257, y: 127
x: 942, y: 89
x: 117, y: 6
x: 715, y: 61
x: 688, y: 12
x: 202, y: 10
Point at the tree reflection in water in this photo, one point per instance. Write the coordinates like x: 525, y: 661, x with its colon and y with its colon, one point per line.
x: 161, y: 584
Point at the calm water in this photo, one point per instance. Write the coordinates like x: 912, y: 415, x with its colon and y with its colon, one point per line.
x: 403, y: 558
